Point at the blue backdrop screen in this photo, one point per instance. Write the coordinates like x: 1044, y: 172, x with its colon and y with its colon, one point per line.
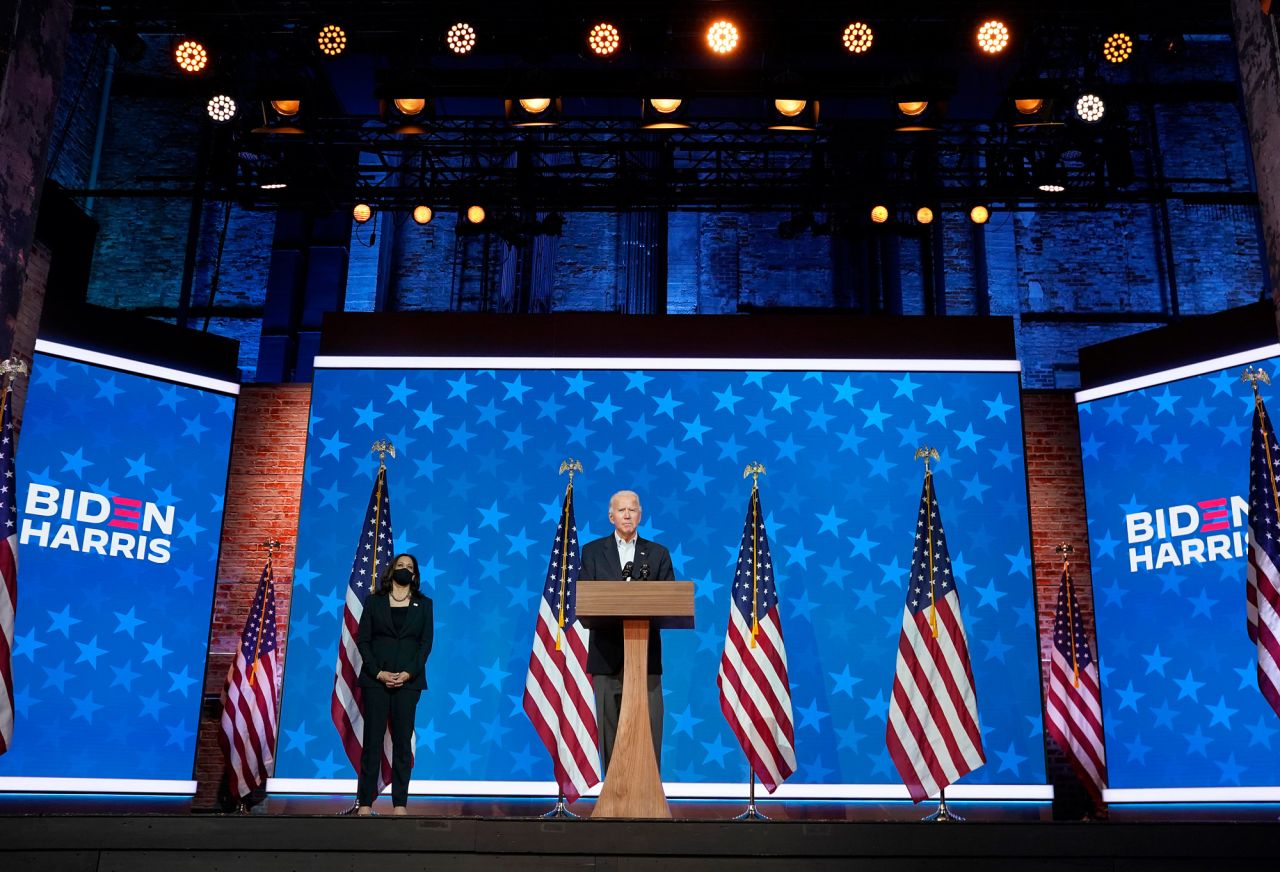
x: 121, y: 479
x: 1167, y: 484
x: 475, y: 494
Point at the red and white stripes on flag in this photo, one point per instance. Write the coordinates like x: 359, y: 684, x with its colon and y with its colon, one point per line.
x: 1262, y: 600
x: 755, y: 694
x: 557, y: 690
x: 8, y: 570
x: 1073, y: 704
x: 373, y: 553
x: 932, y: 733
x: 249, y: 699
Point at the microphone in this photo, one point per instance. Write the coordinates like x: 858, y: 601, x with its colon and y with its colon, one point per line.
x: 644, y: 572
x: 626, y: 571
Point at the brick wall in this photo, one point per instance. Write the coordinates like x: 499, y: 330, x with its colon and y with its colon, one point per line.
x: 1055, y: 485
x: 264, y: 488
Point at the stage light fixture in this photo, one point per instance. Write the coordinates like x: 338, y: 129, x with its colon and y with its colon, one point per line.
x: 1117, y: 48
x: 1048, y: 174
x: 993, y: 36
x: 332, y: 40
x: 857, y: 37
x: 273, y: 186
x: 722, y: 37
x: 361, y: 213
x: 1029, y: 106
x: 533, y: 111
x: 286, y: 108
x: 409, y: 106
x: 924, y: 215
x: 913, y: 107
x: 191, y: 56
x: 879, y: 214
x: 423, y: 214
x: 604, y: 39
x: 461, y: 38
x: 979, y: 214
x: 221, y: 108
x: 475, y: 214
x: 793, y: 114
x: 662, y: 113
x: 1090, y: 108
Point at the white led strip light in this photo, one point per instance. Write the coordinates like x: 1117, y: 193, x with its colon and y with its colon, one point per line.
x: 775, y: 364
x: 23, y: 784
x: 137, y: 367
x: 677, y: 790
x: 1240, y: 358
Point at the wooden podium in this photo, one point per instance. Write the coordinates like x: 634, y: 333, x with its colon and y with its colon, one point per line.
x: 633, y: 786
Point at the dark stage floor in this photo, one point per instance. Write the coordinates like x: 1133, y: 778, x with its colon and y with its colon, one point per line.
x: 65, y: 833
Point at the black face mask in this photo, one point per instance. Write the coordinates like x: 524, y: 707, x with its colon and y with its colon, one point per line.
x: 403, y: 576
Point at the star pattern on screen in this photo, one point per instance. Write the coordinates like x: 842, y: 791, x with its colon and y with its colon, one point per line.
x: 476, y: 497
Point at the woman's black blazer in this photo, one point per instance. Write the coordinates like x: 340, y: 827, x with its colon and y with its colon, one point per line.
x: 386, y: 649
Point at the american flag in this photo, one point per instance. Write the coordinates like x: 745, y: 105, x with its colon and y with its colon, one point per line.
x: 248, y: 736
x: 932, y: 733
x: 8, y: 572
x: 1073, y: 705
x: 557, y: 691
x: 755, y: 694
x: 1263, y: 587
x: 375, y: 550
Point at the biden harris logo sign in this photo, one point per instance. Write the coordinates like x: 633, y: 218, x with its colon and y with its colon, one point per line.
x: 1188, y: 533
x: 94, y: 523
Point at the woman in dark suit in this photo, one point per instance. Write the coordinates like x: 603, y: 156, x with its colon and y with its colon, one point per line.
x: 396, y: 628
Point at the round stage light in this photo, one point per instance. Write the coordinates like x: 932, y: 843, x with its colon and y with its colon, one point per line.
x: 913, y: 107
x: 1117, y: 48
x: 190, y: 56
x: 461, y: 38
x: 665, y: 105
x: 604, y: 39
x: 993, y: 36
x: 722, y: 37
x: 287, y: 108
x: 857, y: 37
x: 221, y: 108
x: 332, y: 40
x: 1090, y: 108
x: 879, y: 214
x: 410, y: 105
x: 1029, y: 107
x: 535, y: 105
x: 924, y: 215
x: 1051, y: 187
x: 790, y: 108
x: 475, y: 214
x: 273, y: 186
x: 979, y: 214
x: 423, y: 214
x: 362, y: 213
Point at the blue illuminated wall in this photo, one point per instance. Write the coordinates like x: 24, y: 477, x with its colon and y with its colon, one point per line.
x: 475, y: 495
x: 1181, y: 704
x: 112, y: 634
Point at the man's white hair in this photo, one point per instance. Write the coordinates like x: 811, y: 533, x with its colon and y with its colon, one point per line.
x: 627, y: 493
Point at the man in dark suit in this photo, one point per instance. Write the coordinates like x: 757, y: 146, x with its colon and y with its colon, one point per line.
x: 607, y: 559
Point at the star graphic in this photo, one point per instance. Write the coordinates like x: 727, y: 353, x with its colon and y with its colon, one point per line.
x: 463, y: 702
x: 844, y: 682
x: 62, y: 622
x: 1011, y: 760
x: 365, y: 417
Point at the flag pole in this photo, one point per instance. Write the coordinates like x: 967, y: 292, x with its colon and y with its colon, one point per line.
x: 926, y: 453
x: 561, y: 809
x: 754, y: 469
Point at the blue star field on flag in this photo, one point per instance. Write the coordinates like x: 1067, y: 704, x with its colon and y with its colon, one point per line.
x: 477, y: 489
x: 1167, y: 484
x: 111, y: 648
